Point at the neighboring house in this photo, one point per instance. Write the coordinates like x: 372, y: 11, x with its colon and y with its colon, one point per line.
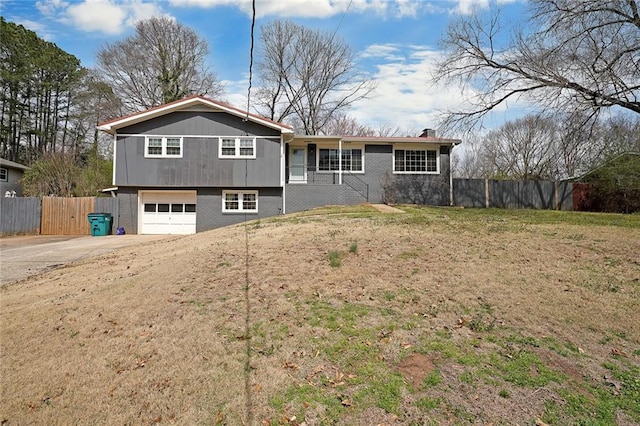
x: 197, y: 164
x: 11, y: 178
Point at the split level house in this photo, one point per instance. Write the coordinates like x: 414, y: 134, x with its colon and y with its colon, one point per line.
x: 198, y: 164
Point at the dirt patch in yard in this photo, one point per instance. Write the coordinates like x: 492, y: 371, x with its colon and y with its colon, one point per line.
x: 433, y: 316
x: 415, y: 368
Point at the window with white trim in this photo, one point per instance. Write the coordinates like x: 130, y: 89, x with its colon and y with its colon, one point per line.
x: 240, y: 201
x: 351, y: 159
x: 163, y: 147
x: 415, y: 161
x: 4, y: 174
x: 232, y: 147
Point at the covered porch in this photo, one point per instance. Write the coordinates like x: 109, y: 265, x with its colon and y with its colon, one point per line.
x: 325, y: 160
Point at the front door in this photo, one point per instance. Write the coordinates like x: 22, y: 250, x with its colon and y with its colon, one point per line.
x: 297, y: 169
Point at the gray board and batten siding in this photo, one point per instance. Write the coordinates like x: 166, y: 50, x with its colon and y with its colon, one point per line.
x: 199, y: 165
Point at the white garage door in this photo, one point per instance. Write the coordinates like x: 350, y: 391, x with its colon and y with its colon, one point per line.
x: 168, y: 212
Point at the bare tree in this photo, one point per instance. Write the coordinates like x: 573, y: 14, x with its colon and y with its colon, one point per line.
x: 541, y: 147
x: 164, y: 61
x: 523, y: 149
x: 582, y: 57
x: 344, y: 125
x: 386, y: 130
x: 620, y: 134
x: 468, y: 160
x: 307, y: 76
x: 93, y: 101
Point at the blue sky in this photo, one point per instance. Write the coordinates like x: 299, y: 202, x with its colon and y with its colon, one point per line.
x: 395, y: 41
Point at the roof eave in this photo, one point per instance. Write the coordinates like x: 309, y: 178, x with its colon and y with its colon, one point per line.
x: 379, y: 139
x: 13, y: 164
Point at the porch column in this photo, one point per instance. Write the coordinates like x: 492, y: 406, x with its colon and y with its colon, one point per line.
x: 340, y: 161
x: 115, y: 157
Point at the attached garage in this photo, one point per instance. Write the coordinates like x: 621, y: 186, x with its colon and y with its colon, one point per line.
x: 167, y: 212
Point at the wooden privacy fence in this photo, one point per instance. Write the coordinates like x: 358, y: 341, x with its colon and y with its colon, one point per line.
x: 513, y: 194
x: 19, y: 215
x: 66, y: 216
x: 53, y: 215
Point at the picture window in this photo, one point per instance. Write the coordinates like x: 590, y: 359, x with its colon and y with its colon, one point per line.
x: 329, y: 160
x: 415, y: 161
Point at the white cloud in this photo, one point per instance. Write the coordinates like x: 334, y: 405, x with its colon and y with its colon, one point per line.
x: 236, y: 92
x: 97, y: 16
x: 389, y: 52
x: 297, y: 8
x: 322, y: 8
x: 111, y: 17
x: 407, y: 8
x: 404, y: 96
x: 138, y: 10
x: 467, y: 7
x: 50, y: 7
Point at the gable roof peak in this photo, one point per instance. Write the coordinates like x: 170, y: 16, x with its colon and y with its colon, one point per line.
x: 111, y: 126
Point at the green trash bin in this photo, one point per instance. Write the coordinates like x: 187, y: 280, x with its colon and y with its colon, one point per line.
x: 100, y: 223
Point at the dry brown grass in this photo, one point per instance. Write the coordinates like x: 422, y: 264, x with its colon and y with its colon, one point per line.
x: 168, y: 332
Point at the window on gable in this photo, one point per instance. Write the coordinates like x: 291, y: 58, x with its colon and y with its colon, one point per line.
x: 240, y: 201
x: 154, y: 146
x: 244, y: 147
x: 4, y: 174
x: 163, y: 146
x: 228, y: 148
x: 174, y: 146
x: 328, y: 160
x: 415, y: 161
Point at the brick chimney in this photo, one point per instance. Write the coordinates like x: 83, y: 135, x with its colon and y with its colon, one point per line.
x: 428, y: 133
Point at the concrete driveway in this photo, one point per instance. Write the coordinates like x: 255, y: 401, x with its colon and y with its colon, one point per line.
x: 23, y: 256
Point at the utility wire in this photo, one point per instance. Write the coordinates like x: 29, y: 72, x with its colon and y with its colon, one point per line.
x: 247, y: 299
x: 247, y: 309
x: 341, y: 19
x: 253, y: 25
